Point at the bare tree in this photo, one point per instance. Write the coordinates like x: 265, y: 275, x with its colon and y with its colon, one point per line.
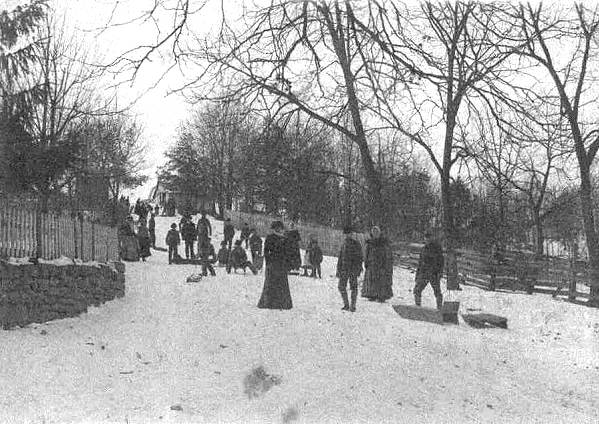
x: 440, y: 61
x: 564, y: 43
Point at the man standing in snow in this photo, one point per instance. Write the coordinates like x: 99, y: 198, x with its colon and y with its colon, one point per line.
x: 430, y: 267
x: 349, y: 267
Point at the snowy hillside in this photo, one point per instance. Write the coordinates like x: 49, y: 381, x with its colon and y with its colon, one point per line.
x: 174, y: 352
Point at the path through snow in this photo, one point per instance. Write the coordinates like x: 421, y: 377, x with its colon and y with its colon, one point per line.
x: 168, y: 343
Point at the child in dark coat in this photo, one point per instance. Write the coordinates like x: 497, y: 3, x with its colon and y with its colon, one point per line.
x: 315, y: 256
x: 172, y: 241
x: 229, y: 233
x: 223, y: 254
x: 349, y: 267
x: 239, y: 259
x: 245, y: 234
x: 207, y: 256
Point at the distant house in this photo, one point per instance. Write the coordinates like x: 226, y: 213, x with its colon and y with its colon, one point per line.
x: 170, y: 201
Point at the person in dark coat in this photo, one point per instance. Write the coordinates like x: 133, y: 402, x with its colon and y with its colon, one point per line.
x: 245, y: 234
x: 207, y: 256
x: 228, y: 232
x: 172, y: 241
x: 152, y: 230
x: 315, y: 256
x: 275, y: 293
x: 188, y: 234
x: 349, y: 267
x: 295, y: 256
x: 378, y: 277
x: 143, y: 239
x: 430, y: 268
x: 128, y: 243
x: 204, y: 227
x: 255, y: 245
x: 223, y: 254
x: 239, y: 259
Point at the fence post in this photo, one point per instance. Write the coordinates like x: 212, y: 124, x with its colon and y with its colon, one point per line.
x: 572, y: 286
x: 93, y: 241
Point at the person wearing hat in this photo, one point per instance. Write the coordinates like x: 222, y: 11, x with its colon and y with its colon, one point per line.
x: 275, y: 293
x: 172, y: 241
x: 349, y: 267
x: 430, y: 268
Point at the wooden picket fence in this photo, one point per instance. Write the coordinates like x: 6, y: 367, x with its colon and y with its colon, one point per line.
x: 62, y: 235
x: 329, y: 239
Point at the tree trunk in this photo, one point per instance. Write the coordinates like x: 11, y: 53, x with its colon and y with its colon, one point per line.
x: 539, y: 235
x: 586, y: 204
x: 451, y: 266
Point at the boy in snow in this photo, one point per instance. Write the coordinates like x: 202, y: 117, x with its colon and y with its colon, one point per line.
x: 349, y: 267
x: 239, y: 259
x: 207, y: 256
x: 229, y: 233
x: 172, y: 241
x: 315, y: 256
x: 255, y: 247
x: 245, y: 234
x: 223, y: 254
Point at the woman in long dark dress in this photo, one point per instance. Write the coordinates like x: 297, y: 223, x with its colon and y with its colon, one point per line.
x: 378, y: 279
x: 143, y: 238
x: 275, y: 294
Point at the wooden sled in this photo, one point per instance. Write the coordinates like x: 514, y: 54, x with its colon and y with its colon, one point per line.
x: 485, y: 320
x: 419, y: 313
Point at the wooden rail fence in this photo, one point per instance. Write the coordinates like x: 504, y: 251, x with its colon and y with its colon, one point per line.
x: 62, y: 235
x: 515, y: 271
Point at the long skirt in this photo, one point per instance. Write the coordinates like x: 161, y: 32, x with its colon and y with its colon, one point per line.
x: 144, y: 247
x: 377, y: 285
x: 275, y: 294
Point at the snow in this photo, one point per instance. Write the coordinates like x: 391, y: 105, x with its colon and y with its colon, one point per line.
x: 169, y: 343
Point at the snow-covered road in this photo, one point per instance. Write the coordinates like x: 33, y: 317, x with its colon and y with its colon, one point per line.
x: 169, y: 343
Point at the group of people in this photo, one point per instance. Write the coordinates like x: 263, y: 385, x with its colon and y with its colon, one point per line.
x: 377, y: 262
x: 281, y: 253
x: 135, y: 243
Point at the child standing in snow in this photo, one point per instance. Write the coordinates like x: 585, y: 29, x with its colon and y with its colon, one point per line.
x: 256, y: 249
x: 207, y: 255
x: 315, y: 255
x: 172, y: 241
x: 223, y: 254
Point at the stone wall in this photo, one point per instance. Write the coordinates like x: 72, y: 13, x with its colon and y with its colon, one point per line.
x: 43, y: 292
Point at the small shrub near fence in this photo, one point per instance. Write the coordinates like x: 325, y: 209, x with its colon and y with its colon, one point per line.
x: 62, y: 235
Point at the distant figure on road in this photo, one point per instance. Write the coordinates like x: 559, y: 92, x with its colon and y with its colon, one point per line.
x: 293, y: 238
x: 204, y: 227
x: 245, y: 234
x: 430, y: 268
x: 315, y: 255
x: 152, y: 230
x: 143, y: 238
x: 207, y: 256
x: 188, y: 234
x: 349, y: 267
x: 223, y: 254
x: 229, y: 233
x: 275, y: 293
x: 172, y: 241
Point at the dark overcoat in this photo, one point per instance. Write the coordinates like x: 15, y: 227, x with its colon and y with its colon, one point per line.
x: 378, y: 278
